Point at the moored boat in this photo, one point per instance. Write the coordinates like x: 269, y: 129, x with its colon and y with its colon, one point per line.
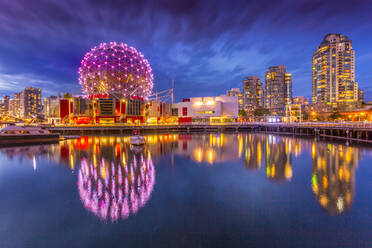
x: 12, y: 134
x: 137, y: 140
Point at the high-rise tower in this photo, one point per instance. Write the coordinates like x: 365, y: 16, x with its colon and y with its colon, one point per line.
x: 252, y: 94
x: 278, y: 89
x: 30, y: 102
x: 333, y: 73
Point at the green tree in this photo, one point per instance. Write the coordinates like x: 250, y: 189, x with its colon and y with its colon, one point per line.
x: 242, y: 113
x: 67, y: 95
x: 334, y: 116
x: 261, y: 112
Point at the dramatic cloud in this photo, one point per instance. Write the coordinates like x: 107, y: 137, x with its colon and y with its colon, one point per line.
x: 205, y: 46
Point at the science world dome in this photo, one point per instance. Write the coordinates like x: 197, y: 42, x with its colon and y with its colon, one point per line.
x: 115, y: 68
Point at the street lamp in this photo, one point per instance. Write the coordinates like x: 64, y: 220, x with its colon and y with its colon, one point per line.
x: 313, y: 113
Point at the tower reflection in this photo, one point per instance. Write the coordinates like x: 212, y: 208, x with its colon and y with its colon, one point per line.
x: 278, y: 158
x: 333, y: 176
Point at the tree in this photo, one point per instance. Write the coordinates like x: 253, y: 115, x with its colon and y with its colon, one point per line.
x: 242, y: 113
x: 305, y: 116
x: 261, y: 112
x: 334, y: 116
x: 67, y: 96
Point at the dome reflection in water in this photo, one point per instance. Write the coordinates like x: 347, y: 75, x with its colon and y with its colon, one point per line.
x: 116, y: 188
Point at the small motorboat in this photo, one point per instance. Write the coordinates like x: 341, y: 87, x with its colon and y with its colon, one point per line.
x: 13, y: 135
x: 137, y: 140
x: 137, y: 149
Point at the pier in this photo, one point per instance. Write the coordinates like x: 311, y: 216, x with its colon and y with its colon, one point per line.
x: 347, y: 131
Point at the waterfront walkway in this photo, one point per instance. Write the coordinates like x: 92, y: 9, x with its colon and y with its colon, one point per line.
x: 345, y: 130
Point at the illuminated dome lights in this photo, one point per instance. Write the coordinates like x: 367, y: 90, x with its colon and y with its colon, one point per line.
x: 115, y: 68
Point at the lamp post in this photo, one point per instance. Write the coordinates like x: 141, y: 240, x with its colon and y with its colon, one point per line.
x: 313, y: 113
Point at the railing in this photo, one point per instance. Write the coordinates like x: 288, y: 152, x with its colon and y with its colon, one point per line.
x: 323, y: 124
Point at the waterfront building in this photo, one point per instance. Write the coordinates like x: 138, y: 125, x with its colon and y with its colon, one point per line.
x: 293, y: 113
x: 80, y: 105
x: 238, y: 93
x: 158, y: 111
x: 30, y: 102
x: 278, y: 89
x: 333, y: 74
x: 221, y: 108
x: 51, y: 106
x: 101, y: 109
x: 253, y: 96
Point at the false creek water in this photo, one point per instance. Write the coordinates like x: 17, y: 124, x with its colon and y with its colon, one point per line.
x: 182, y: 190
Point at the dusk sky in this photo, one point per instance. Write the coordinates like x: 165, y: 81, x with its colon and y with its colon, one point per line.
x: 207, y: 47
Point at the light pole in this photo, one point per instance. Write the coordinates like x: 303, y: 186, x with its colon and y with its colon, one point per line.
x: 313, y: 113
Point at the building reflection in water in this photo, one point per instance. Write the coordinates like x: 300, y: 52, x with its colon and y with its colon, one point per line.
x: 333, y: 176
x: 274, y: 152
x: 209, y: 148
x: 32, y: 153
x: 278, y: 158
x: 114, y: 181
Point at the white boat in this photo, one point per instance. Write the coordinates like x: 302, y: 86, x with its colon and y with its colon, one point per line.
x: 137, y: 140
x: 12, y: 134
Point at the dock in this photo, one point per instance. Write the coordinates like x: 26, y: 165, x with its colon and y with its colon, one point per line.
x: 361, y: 132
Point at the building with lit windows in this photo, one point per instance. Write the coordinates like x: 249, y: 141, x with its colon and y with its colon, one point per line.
x: 30, y: 102
x: 101, y: 109
x: 51, y: 106
x: 300, y: 100
x: 158, y: 112
x: 293, y: 113
x: 333, y: 74
x: 217, y: 109
x: 278, y: 89
x: 253, y: 96
x: 11, y: 107
x: 16, y: 105
x: 238, y: 93
x: 6, y: 104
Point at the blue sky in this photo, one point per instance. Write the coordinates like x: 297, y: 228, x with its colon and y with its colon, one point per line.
x: 207, y: 47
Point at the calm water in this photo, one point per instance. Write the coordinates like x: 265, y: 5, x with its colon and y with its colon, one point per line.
x: 210, y: 190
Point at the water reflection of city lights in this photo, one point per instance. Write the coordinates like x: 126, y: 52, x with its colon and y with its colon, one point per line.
x: 108, y: 168
x: 333, y: 177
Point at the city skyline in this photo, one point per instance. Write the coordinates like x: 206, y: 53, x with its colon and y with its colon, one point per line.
x: 44, y: 47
